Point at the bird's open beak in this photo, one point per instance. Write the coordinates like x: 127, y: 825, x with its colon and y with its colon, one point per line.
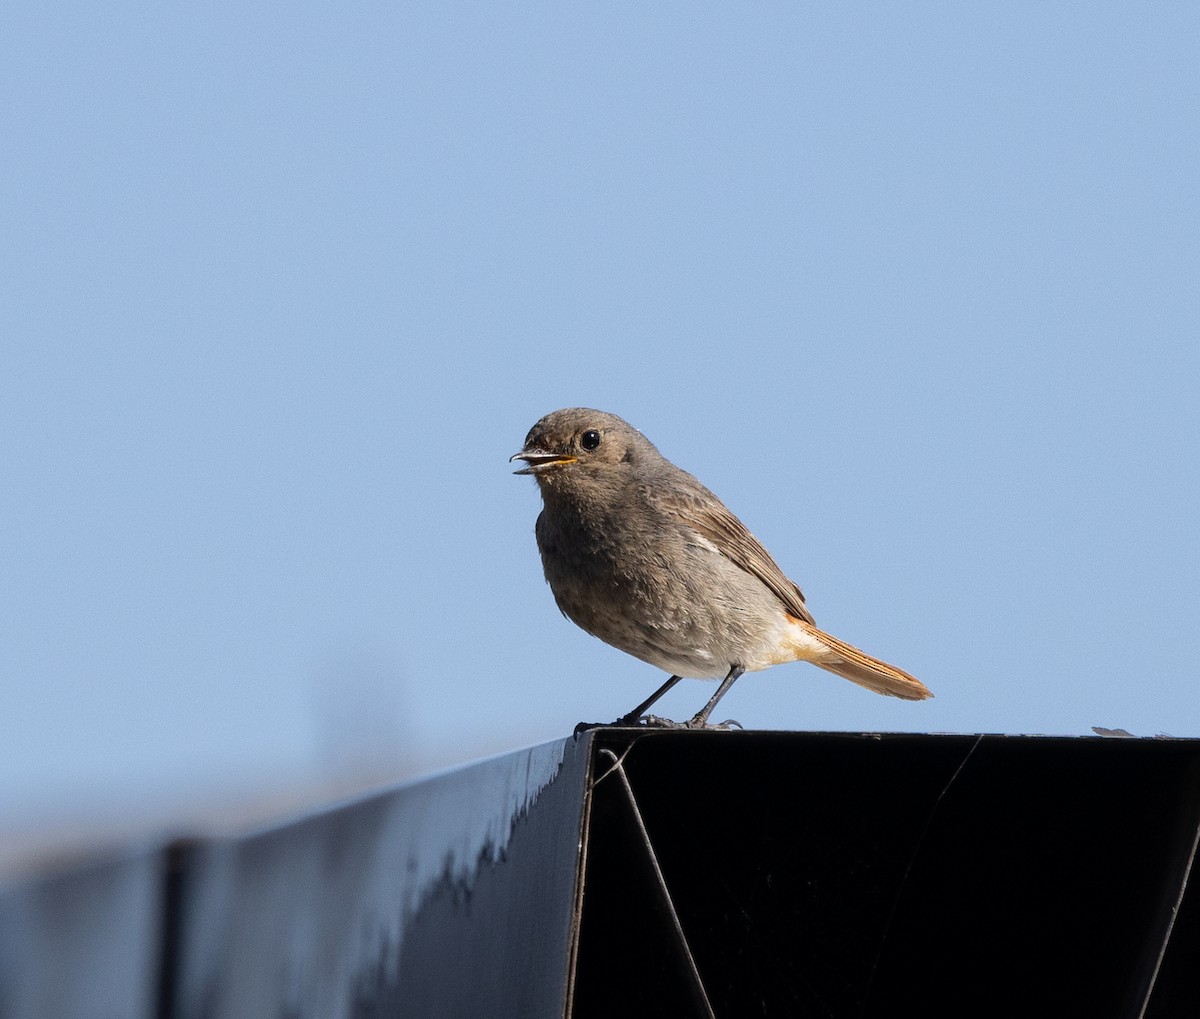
x: 538, y: 461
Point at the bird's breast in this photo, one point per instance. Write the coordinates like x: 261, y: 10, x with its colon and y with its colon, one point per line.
x: 660, y: 592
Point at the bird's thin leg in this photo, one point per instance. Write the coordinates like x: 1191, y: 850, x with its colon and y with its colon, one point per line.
x: 636, y: 713
x: 700, y: 719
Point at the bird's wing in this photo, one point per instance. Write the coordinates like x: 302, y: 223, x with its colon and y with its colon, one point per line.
x: 696, y: 507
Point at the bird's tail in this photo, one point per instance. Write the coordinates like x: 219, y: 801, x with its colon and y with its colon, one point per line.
x: 847, y: 661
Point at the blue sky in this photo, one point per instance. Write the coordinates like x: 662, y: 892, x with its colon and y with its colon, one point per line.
x: 914, y: 288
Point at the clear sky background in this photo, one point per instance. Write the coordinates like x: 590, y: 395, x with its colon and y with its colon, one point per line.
x: 915, y: 288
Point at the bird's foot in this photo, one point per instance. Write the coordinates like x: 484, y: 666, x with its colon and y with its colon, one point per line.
x: 632, y: 722
x: 703, y: 723
x: 658, y: 722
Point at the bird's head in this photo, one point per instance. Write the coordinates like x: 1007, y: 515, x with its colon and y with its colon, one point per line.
x: 579, y: 446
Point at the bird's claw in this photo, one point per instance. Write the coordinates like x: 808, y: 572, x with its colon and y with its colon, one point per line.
x: 658, y: 722
x: 632, y: 722
x: 698, y: 723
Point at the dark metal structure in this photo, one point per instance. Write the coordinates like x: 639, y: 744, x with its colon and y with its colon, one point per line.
x: 651, y: 872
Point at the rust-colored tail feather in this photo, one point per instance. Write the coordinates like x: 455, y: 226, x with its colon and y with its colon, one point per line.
x: 848, y: 662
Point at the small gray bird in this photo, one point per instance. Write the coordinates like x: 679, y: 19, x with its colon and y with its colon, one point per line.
x: 643, y: 556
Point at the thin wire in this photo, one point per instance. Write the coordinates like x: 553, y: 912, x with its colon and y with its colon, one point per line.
x: 1170, y: 926
x: 662, y: 883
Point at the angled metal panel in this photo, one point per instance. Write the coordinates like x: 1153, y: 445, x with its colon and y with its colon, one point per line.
x: 833, y: 874
x: 453, y: 896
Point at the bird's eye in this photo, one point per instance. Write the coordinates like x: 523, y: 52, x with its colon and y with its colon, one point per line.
x: 590, y: 439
